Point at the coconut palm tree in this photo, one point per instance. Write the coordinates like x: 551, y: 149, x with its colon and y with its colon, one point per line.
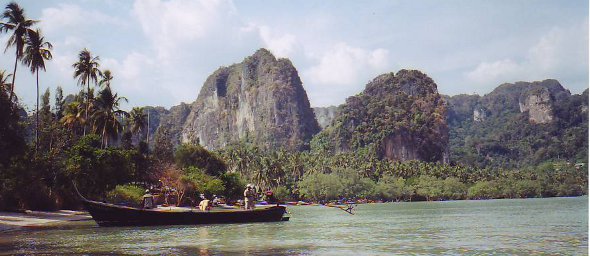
x: 106, y: 78
x: 73, y: 116
x: 138, y: 121
x: 35, y: 54
x: 4, y: 84
x: 86, y: 70
x: 20, y: 26
x: 107, y: 114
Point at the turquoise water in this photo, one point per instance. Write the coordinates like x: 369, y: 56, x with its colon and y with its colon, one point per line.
x: 550, y: 226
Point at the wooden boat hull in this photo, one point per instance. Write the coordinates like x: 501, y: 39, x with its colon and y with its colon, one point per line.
x: 113, y: 215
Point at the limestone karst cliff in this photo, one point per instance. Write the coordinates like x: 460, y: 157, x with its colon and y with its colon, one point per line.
x: 260, y: 100
x: 400, y: 116
x: 518, y: 124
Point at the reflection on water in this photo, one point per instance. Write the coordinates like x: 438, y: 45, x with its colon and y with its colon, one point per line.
x: 516, y: 227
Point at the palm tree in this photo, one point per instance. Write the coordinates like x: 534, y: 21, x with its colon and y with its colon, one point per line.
x: 107, y: 77
x: 138, y: 120
x: 106, y: 115
x: 20, y: 25
x: 4, y: 84
x: 36, y: 52
x: 73, y: 116
x: 86, y: 70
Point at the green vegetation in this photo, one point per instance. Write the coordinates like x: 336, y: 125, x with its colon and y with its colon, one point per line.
x: 131, y: 195
x: 94, y: 144
x: 320, y: 176
x: 393, y: 109
x: 507, y: 139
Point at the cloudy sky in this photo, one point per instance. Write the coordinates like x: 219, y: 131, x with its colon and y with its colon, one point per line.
x: 161, y: 51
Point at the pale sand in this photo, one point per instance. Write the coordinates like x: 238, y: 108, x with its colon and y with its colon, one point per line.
x: 36, y: 219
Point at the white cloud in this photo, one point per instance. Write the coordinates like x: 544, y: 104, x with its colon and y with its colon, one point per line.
x: 73, y: 16
x: 344, y: 65
x: 561, y: 53
x: 281, y: 45
x: 180, y: 21
x: 492, y: 72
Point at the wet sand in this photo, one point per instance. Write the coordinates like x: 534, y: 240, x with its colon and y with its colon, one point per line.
x: 37, y: 219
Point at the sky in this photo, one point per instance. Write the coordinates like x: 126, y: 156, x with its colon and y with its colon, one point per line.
x: 160, y: 52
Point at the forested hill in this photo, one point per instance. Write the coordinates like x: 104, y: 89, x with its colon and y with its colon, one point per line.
x: 517, y: 125
x: 398, y: 116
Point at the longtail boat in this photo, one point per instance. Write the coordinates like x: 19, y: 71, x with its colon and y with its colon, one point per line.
x: 106, y: 214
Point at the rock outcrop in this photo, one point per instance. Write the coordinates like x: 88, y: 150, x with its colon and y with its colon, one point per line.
x: 325, y: 115
x: 260, y: 100
x: 518, y: 124
x: 402, y: 117
x: 535, y: 99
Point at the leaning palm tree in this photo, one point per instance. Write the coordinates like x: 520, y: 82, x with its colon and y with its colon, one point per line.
x: 107, y: 115
x: 106, y: 78
x: 138, y: 121
x: 20, y: 26
x: 86, y: 70
x: 35, y: 54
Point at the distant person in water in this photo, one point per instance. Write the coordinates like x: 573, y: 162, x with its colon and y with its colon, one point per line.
x: 249, y: 195
x: 148, y: 200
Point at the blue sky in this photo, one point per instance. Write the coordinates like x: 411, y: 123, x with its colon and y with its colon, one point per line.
x: 161, y: 51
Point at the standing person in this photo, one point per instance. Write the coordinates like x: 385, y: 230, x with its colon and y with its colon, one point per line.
x: 148, y: 200
x: 204, y: 204
x: 249, y: 197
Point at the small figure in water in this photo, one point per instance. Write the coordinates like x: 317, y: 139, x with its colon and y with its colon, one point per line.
x: 249, y: 195
x: 148, y: 200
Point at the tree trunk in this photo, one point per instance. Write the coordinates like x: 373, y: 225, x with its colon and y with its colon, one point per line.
x: 37, y: 117
x: 13, y: 76
x: 87, y: 105
x: 103, y: 142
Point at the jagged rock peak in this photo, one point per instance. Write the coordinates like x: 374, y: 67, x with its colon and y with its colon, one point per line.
x: 260, y: 100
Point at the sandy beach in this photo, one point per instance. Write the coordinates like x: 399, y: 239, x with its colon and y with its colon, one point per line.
x: 37, y: 219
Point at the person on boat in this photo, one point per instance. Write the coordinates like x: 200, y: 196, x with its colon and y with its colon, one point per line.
x: 215, y: 201
x: 204, y: 205
x: 269, y: 197
x: 249, y: 195
x: 148, y: 200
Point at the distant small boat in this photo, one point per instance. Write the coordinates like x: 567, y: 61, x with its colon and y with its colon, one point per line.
x: 106, y: 214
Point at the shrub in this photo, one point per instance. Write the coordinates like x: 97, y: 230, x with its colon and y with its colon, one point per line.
x: 126, y: 194
x: 484, y: 190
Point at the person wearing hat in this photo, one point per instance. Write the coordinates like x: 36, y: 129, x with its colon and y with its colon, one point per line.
x: 148, y: 200
x: 249, y: 195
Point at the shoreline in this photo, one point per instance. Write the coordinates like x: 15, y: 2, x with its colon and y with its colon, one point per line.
x: 12, y: 221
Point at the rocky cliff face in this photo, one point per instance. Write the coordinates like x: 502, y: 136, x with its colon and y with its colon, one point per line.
x: 260, y: 100
x: 325, y: 115
x: 539, y: 107
x: 400, y: 116
x: 536, y: 100
x: 518, y: 124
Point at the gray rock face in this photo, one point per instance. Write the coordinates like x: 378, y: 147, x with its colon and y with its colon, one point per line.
x: 325, y: 115
x: 536, y: 99
x: 479, y: 115
x: 260, y: 100
x: 539, y: 106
